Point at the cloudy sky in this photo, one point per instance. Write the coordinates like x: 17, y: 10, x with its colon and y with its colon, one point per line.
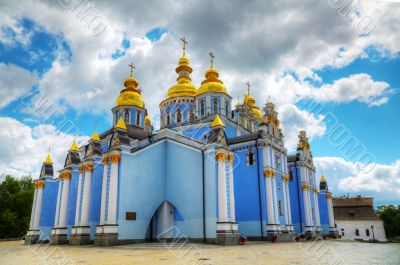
x: 330, y: 66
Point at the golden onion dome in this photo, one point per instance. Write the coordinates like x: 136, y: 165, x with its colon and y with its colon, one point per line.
x: 212, y: 83
x: 184, y: 87
x: 249, y: 100
x: 131, y: 95
x: 257, y: 112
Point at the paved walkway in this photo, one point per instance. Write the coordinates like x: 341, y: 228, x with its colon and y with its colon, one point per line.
x: 320, y: 252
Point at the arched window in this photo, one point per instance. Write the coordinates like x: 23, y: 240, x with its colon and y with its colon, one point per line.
x: 215, y: 106
x: 202, y: 109
x: 138, y: 118
x: 226, y: 109
x: 357, y: 232
x: 168, y: 119
x: 367, y: 232
x: 191, y: 116
x: 127, y: 116
x: 178, y: 116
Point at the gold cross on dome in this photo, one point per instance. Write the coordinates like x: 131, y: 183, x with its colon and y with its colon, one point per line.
x: 212, y: 58
x: 132, y: 67
x: 184, y: 44
x: 248, y: 87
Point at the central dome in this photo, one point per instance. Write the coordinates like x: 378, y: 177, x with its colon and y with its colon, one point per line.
x: 184, y: 87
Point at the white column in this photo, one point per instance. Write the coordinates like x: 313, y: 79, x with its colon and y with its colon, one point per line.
x: 316, y: 206
x: 113, y: 190
x: 104, y: 191
x: 64, y: 200
x: 87, y: 187
x: 330, y: 211
x: 273, y: 180
x: 284, y: 200
x: 78, y: 197
x: 306, y: 206
x: 38, y: 207
x: 33, y: 209
x: 268, y: 190
x: 222, y: 200
x: 288, y: 203
x: 231, y: 189
x: 58, y: 205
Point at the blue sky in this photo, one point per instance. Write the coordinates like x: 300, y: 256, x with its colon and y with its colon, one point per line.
x: 354, y: 78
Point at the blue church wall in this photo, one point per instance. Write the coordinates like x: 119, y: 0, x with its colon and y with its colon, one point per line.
x: 323, y: 211
x: 184, y: 187
x: 120, y: 112
x: 197, y: 132
x: 141, y: 189
x: 296, y: 202
x: 247, y: 196
x: 95, y: 196
x: 73, y: 192
x: 230, y: 132
x: 48, y: 208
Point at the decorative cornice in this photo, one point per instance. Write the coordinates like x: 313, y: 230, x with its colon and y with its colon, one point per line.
x: 88, y: 168
x: 105, y: 160
x: 305, y: 187
x: 80, y: 168
x: 220, y: 157
x: 267, y: 172
x: 328, y: 196
x: 230, y: 158
x: 115, y: 158
x: 39, y: 184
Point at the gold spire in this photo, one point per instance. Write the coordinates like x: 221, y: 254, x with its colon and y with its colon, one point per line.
x: 74, y: 146
x: 48, y: 159
x: 184, y: 45
x: 217, y: 122
x: 212, y: 56
x: 95, y: 137
x: 131, y: 94
x: 120, y: 124
x: 322, y: 179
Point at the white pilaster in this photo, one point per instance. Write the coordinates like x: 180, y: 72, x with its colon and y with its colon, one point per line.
x: 316, y: 206
x: 286, y: 212
x: 231, y: 189
x: 87, y: 187
x: 58, y: 205
x: 222, y: 196
x: 78, y: 197
x: 104, y: 191
x: 330, y: 211
x: 288, y: 203
x: 113, y: 190
x: 33, y: 209
x: 305, y: 188
x: 38, y: 207
x: 276, y: 215
x: 64, y: 200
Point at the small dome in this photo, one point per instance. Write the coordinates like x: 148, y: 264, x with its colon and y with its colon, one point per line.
x: 212, y: 83
x: 249, y: 100
x: 184, y: 87
x: 147, y: 120
x: 257, y: 112
x: 130, y: 96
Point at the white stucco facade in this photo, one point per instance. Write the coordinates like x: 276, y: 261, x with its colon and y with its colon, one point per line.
x: 348, y: 230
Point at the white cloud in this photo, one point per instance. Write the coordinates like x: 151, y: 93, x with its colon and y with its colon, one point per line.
x: 294, y: 119
x: 23, y: 149
x: 14, y: 82
x: 382, y: 181
x: 358, y: 87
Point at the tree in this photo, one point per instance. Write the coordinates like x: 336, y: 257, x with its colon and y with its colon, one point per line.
x: 390, y: 215
x: 16, y: 196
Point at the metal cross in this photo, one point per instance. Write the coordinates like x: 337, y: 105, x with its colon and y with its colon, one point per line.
x: 132, y: 67
x: 212, y: 58
x: 248, y: 87
x: 184, y: 44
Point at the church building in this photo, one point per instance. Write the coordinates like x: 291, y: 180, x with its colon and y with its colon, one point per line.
x: 212, y: 172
